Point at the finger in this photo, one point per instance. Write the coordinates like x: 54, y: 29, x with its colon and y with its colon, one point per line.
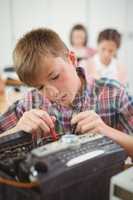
x: 87, y: 119
x: 95, y: 130
x: 81, y: 116
x: 25, y: 127
x: 45, y: 117
x: 84, y: 122
x: 53, y: 118
x: 88, y: 127
x: 34, y: 122
x: 38, y: 123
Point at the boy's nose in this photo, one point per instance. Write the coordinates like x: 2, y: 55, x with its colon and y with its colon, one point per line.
x: 51, y: 91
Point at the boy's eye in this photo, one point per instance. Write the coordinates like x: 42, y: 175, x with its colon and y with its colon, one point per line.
x: 41, y: 87
x: 55, y: 77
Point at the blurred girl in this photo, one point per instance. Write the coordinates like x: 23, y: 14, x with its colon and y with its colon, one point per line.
x: 105, y: 62
x: 78, y: 40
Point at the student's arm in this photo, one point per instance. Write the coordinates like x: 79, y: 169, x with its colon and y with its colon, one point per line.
x: 35, y: 121
x: 89, y: 121
x: 125, y: 109
x: 124, y: 106
x: 125, y: 140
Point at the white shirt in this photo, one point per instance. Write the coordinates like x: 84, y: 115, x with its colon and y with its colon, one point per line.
x: 108, y: 71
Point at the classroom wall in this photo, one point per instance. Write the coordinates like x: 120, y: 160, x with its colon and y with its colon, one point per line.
x: 17, y: 17
x: 5, y: 33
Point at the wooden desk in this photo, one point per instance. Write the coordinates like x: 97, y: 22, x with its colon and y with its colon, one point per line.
x: 13, y: 82
x: 7, y: 99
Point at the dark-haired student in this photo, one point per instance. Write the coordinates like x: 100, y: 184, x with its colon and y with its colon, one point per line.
x: 105, y: 63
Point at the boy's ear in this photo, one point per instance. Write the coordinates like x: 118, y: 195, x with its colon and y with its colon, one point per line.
x: 72, y: 57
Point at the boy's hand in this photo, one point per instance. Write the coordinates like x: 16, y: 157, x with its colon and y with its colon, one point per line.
x: 36, y: 121
x: 88, y: 121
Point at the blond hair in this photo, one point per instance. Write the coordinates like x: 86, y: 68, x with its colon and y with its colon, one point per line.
x: 30, y: 50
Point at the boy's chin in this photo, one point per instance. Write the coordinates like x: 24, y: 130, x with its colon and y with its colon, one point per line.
x: 66, y: 103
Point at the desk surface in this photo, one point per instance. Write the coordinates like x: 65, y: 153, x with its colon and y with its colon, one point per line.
x: 13, y: 82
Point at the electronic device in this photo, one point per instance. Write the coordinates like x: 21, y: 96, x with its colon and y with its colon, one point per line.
x: 74, y: 167
x: 121, y: 187
x: 13, y: 148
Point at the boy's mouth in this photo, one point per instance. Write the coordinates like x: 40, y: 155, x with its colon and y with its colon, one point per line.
x: 63, y: 98
x: 60, y: 98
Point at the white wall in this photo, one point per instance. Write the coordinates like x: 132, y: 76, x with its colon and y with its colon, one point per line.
x: 66, y: 13
x: 19, y: 16
x: 105, y: 14
x: 59, y: 15
x: 5, y: 33
x: 129, y: 42
x: 22, y: 16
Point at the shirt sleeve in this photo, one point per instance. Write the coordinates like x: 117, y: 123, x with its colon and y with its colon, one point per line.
x: 126, y: 111
x: 9, y: 119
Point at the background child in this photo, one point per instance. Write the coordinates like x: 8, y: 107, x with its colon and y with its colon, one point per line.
x: 105, y: 62
x: 79, y: 40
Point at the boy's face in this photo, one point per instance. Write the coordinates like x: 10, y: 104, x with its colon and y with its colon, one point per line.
x: 107, y: 50
x: 58, y: 80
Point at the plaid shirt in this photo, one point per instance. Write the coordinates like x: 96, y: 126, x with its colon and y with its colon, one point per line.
x: 106, y: 97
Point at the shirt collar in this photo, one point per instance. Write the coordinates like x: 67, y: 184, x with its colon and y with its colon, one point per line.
x: 86, y: 91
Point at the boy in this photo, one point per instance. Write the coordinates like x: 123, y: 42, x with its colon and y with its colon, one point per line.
x: 64, y: 98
